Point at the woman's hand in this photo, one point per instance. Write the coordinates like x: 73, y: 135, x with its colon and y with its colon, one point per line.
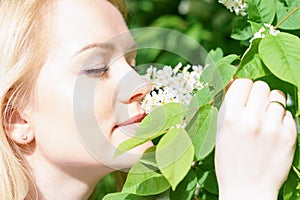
x: 255, y: 143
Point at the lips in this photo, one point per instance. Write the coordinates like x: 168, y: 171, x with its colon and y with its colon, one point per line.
x: 133, y: 120
x: 130, y: 126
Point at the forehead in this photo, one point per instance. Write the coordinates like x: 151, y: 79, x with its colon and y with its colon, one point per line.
x: 79, y: 23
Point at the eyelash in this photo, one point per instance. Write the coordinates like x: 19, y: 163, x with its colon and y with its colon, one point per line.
x: 102, y: 72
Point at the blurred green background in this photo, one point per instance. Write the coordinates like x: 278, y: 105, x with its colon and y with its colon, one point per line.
x: 206, y: 21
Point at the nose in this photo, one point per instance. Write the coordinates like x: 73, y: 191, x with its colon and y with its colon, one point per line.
x: 132, y: 87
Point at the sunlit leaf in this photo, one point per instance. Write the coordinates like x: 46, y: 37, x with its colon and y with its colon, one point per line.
x: 292, y: 22
x: 281, y: 55
x: 122, y: 196
x: 174, y: 155
x: 251, y: 65
x: 202, y: 130
x: 213, y: 56
x: 218, y: 76
x: 227, y: 59
x: 144, y: 178
x: 255, y: 27
x: 202, y: 97
x: 261, y: 10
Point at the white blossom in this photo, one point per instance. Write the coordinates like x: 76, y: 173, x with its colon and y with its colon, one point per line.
x: 172, y: 85
x: 272, y: 30
x: 262, y: 30
x: 237, y: 6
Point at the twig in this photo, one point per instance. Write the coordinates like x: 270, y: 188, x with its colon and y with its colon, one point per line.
x: 286, y: 17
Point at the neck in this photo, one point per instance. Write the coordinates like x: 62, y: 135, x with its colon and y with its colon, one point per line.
x: 63, y: 183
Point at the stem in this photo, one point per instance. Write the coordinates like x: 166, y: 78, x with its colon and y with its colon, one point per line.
x: 298, y: 102
x: 286, y: 17
x: 296, y: 171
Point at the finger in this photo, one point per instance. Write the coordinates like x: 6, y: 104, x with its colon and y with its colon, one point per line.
x: 258, y: 99
x: 289, y: 123
x: 238, y: 93
x: 276, y: 109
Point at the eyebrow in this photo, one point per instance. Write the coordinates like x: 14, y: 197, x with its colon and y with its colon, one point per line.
x: 94, y: 45
x: 104, y: 45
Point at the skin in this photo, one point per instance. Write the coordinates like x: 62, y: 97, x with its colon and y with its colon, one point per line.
x: 256, y: 142
x: 61, y: 161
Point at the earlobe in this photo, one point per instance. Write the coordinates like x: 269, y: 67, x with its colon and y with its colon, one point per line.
x: 20, y: 133
x: 18, y: 129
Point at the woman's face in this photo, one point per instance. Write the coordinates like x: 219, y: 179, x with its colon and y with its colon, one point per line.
x: 87, y: 98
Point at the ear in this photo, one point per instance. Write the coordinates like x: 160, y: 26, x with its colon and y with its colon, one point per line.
x: 17, y: 127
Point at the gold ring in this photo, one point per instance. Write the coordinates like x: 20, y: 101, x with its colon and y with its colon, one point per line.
x: 279, y: 103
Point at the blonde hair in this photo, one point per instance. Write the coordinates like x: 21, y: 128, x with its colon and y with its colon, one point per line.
x: 23, y: 50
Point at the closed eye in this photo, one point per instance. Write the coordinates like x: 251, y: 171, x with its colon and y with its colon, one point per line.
x: 101, y: 72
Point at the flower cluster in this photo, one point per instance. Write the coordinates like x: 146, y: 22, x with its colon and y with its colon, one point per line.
x: 237, y: 6
x: 172, y: 85
x: 261, y: 32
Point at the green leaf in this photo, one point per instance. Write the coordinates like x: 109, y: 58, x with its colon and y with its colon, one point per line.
x: 186, y: 189
x: 261, y: 11
x: 292, y: 22
x: 207, y: 164
x: 241, y: 29
x: 218, y: 76
x: 202, y: 130
x: 255, y: 27
x: 219, y: 70
x: 213, y: 56
x: 227, y: 59
x: 202, y: 97
x: 251, y: 65
x: 144, y: 177
x: 227, y: 72
x: 290, y: 191
x: 154, y: 125
x: 174, y: 155
x: 210, y: 184
x: 281, y: 55
x: 163, y: 196
x: 122, y: 196
x: 296, y: 161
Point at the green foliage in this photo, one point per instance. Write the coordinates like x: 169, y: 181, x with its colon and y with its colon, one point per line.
x: 144, y: 177
x: 174, y: 155
x: 122, y: 196
x: 293, y: 22
x: 261, y: 11
x: 186, y: 188
x: 202, y: 130
x: 251, y: 65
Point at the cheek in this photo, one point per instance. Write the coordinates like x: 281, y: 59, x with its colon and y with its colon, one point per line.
x: 104, y: 103
x: 53, y: 121
x: 56, y: 134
